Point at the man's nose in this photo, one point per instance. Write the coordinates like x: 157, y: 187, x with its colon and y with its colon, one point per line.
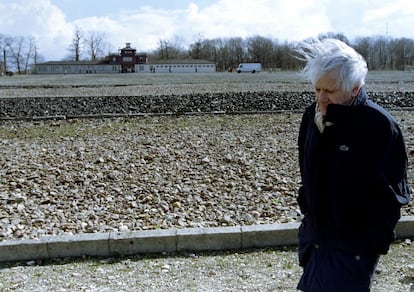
x: 323, y: 97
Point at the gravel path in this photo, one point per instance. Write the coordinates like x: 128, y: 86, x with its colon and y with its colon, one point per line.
x: 258, y: 270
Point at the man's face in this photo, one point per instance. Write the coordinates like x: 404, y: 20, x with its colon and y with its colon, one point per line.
x: 328, y: 92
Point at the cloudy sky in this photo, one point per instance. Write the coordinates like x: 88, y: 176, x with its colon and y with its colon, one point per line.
x: 145, y: 23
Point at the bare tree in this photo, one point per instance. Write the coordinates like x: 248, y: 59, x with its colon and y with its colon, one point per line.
x: 163, y: 49
x: 260, y: 50
x: 380, y: 53
x: 17, y: 53
x: 402, y: 53
x: 36, y: 58
x: 205, y: 49
x: 224, y: 60
x: 3, y: 47
x: 235, y: 49
x: 171, y: 49
x: 363, y: 45
x: 15, y: 48
x: 7, y: 43
x: 176, y: 50
x: 196, y: 48
x: 209, y: 50
x: 96, y: 45
x: 29, y: 54
x: 75, y: 47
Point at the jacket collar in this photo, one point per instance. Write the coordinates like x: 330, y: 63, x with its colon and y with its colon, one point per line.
x: 361, y: 98
x: 336, y: 112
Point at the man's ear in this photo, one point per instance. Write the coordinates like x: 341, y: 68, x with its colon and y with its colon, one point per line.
x: 355, y: 91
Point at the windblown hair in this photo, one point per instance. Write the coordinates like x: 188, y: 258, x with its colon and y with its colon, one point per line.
x: 323, y: 57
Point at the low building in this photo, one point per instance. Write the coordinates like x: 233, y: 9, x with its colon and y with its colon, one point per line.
x: 123, y: 62
x: 126, y: 61
x: 80, y: 67
x: 176, y: 66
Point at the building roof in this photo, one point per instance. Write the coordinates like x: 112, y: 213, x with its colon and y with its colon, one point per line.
x: 152, y: 62
x: 179, y: 61
x: 67, y: 63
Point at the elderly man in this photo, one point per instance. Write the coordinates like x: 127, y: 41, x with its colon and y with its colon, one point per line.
x: 353, y: 167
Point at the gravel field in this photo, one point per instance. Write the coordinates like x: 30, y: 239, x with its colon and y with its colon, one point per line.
x: 98, y: 175
x: 80, y: 176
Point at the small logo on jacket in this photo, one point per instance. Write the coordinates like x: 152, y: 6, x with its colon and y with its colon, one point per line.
x: 344, y: 148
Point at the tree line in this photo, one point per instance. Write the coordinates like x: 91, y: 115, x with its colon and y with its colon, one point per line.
x: 380, y: 52
x: 20, y: 54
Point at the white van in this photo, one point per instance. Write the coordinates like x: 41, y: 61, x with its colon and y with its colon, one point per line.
x: 249, y: 67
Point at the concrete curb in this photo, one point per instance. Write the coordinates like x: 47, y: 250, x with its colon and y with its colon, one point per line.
x: 158, y: 241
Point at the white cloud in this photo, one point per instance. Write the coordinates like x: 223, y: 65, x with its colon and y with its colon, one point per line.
x: 39, y: 19
x: 145, y: 26
x: 395, y: 18
x: 279, y: 19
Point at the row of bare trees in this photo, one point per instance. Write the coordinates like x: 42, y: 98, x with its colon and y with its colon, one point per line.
x: 385, y: 53
x: 381, y: 53
x: 19, y: 54
x: 228, y: 53
x: 87, y: 46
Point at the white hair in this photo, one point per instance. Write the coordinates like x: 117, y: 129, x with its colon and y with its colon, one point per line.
x: 328, y: 55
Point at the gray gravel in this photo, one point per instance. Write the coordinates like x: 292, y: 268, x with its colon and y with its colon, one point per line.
x: 258, y: 270
x: 83, y: 176
x: 71, y: 177
x: 66, y: 107
x: 131, y: 94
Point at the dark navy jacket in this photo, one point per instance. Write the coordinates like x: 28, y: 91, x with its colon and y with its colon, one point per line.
x: 354, y: 179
